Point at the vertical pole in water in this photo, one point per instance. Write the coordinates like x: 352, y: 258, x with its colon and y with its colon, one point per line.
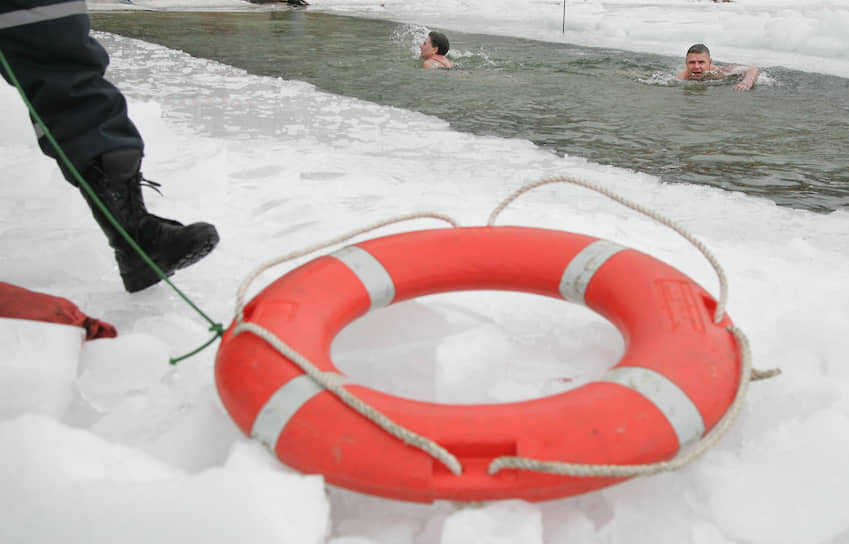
x: 564, y: 17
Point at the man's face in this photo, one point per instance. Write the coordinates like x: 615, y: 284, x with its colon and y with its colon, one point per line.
x: 698, y: 65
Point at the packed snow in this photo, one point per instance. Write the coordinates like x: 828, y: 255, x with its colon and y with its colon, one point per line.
x: 104, y: 441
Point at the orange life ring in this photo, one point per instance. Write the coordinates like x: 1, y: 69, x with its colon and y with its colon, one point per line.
x: 676, y: 380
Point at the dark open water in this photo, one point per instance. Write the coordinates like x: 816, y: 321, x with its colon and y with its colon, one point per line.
x: 785, y: 140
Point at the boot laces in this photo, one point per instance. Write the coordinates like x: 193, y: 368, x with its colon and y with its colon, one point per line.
x: 144, y: 182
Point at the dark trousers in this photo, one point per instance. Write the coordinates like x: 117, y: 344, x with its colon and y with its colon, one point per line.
x: 60, y: 68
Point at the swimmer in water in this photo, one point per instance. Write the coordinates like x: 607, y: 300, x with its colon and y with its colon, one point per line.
x: 434, y: 49
x: 700, y: 67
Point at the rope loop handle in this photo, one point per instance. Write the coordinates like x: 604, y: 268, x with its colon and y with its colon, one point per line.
x: 747, y: 373
x: 697, y: 450
x: 723, y: 282
x: 321, y: 378
x: 243, y: 288
x: 331, y: 383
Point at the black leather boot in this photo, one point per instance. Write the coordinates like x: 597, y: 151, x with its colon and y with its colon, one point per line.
x: 116, y: 180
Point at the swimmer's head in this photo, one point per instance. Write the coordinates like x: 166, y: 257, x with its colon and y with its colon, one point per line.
x: 699, y: 48
x: 439, y: 41
x: 698, y: 61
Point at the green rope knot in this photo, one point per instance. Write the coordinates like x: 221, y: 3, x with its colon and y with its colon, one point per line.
x: 217, y: 328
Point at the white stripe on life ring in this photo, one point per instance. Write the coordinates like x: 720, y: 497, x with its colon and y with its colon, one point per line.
x: 582, y: 268
x: 283, y: 405
x: 375, y: 278
x: 679, y: 410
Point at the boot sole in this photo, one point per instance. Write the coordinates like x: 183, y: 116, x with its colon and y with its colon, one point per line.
x: 144, y: 277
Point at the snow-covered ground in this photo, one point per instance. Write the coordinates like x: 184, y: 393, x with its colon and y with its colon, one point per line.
x: 109, y: 443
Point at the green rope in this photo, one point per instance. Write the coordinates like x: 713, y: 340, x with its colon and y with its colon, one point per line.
x: 217, y: 327
x: 219, y: 331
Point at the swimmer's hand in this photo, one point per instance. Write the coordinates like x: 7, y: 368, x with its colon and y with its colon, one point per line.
x: 748, y: 80
x: 744, y: 85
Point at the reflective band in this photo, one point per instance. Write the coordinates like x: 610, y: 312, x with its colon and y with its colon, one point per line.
x: 38, y: 132
x: 42, y: 13
x: 679, y: 410
x: 375, y: 278
x: 582, y: 268
x: 283, y: 405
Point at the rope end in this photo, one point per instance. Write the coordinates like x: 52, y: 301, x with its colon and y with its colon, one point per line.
x: 764, y: 374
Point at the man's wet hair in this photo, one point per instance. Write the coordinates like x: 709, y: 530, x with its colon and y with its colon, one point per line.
x: 695, y: 48
x: 440, y: 41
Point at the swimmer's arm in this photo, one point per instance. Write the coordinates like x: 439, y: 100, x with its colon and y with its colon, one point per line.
x: 750, y: 75
x: 430, y: 63
x: 749, y: 79
x: 682, y: 74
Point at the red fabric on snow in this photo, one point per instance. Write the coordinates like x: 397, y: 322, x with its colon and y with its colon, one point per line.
x: 19, y: 303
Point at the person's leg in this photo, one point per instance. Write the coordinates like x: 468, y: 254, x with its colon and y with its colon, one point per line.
x: 60, y: 68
